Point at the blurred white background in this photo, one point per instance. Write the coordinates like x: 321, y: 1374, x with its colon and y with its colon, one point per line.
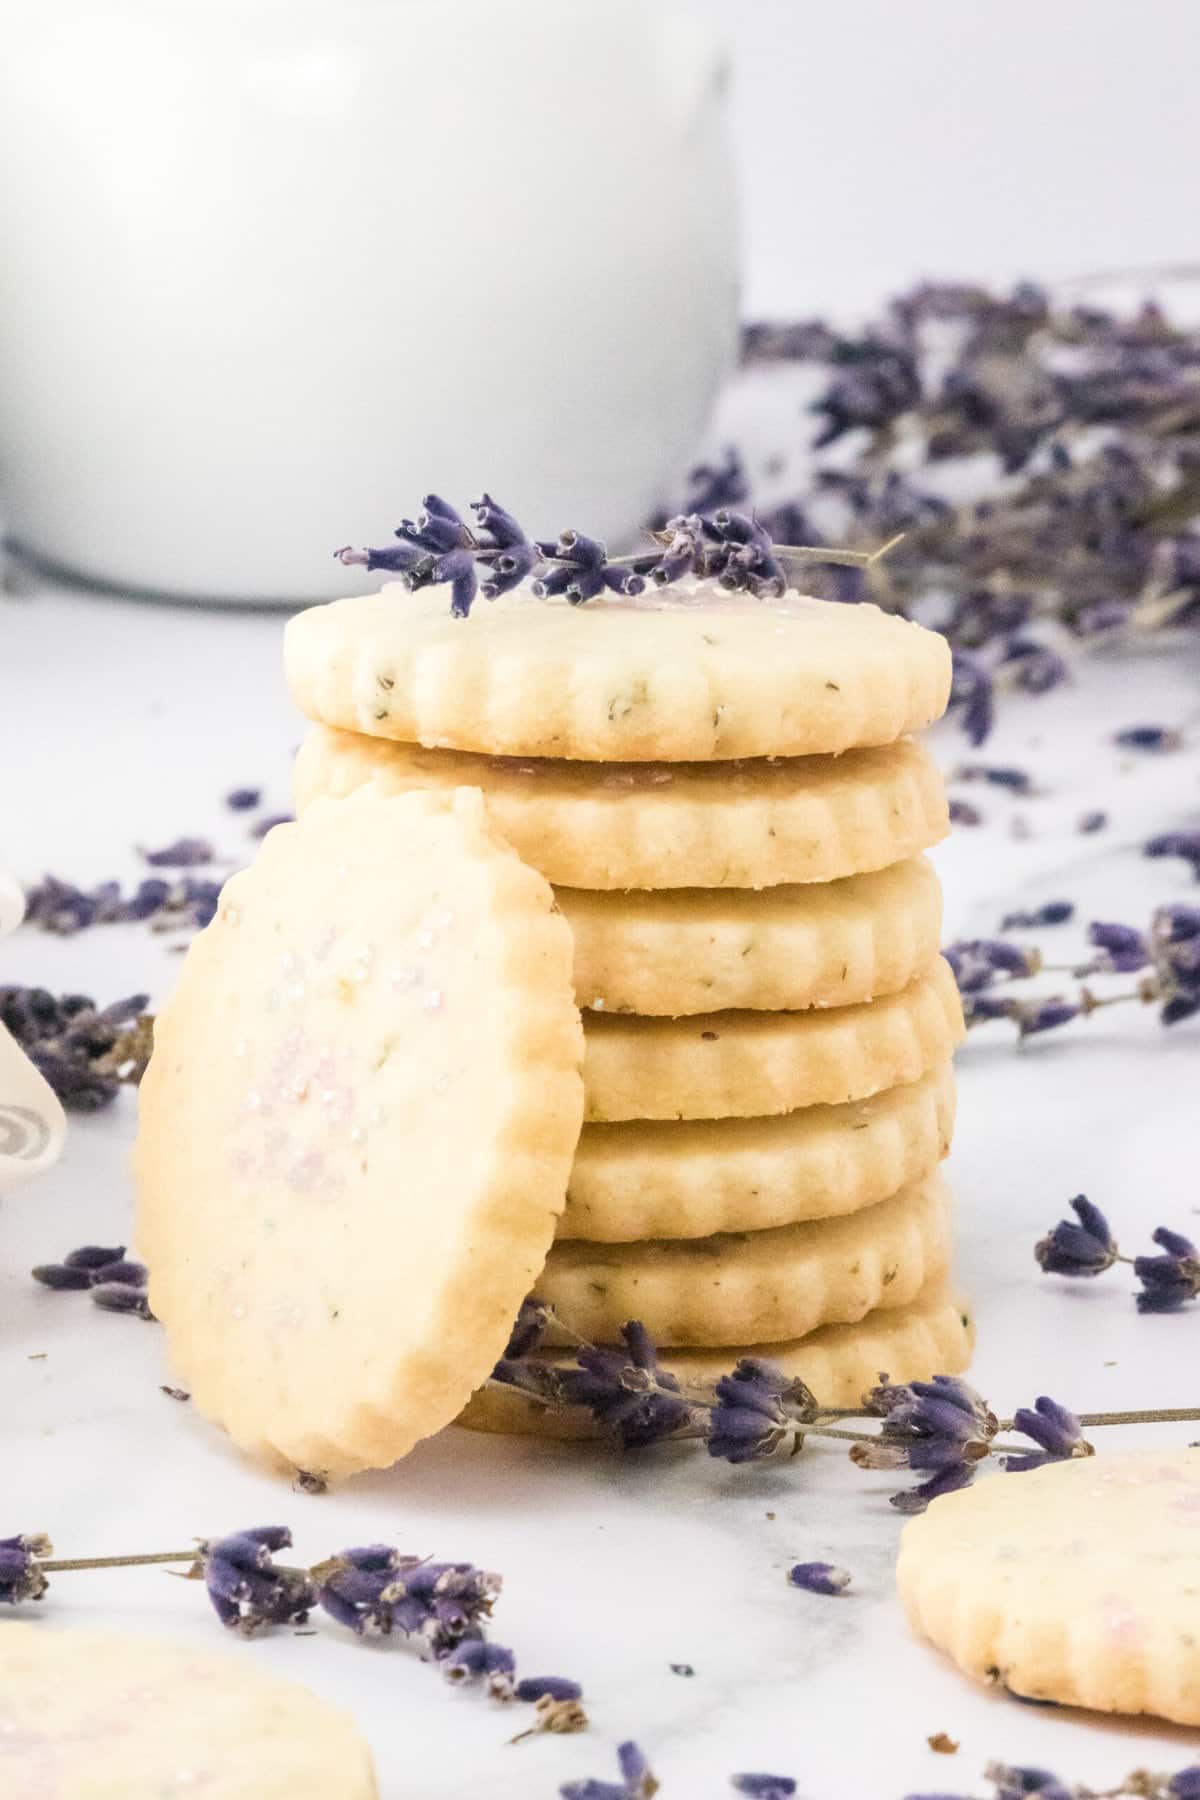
x: 881, y: 142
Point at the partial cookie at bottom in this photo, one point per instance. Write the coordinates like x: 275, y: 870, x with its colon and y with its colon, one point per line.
x: 1076, y: 1583
x: 931, y: 1336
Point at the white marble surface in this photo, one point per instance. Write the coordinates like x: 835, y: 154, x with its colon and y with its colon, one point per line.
x: 122, y: 724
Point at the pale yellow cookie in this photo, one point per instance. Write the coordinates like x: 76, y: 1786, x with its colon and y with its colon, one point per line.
x: 357, y: 1126
x: 688, y: 675
x: 667, y: 825
x: 1075, y: 1583
x: 96, y: 1715
x: 739, y: 1064
x: 692, y: 1179
x: 931, y: 1336
x: 700, y: 950
x: 747, y: 1287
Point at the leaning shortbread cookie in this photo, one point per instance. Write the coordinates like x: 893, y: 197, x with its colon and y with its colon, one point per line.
x: 698, y: 1177
x: 699, y: 950
x: 667, y: 825
x: 691, y: 675
x: 741, y: 1064
x: 93, y: 1715
x: 741, y: 1288
x: 1075, y: 1583
x: 931, y: 1336
x: 357, y: 1127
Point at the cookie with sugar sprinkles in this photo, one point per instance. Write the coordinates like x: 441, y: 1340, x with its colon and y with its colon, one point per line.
x: 1077, y: 1583
x: 701, y: 950
x: 740, y: 1288
x: 97, y: 1715
x: 690, y: 674
x: 741, y: 1064
x: 933, y: 1335
x: 667, y: 825
x: 693, y: 1178
x: 356, y: 1128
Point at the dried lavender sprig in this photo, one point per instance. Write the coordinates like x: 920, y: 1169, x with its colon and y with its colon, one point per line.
x: 1085, y: 1247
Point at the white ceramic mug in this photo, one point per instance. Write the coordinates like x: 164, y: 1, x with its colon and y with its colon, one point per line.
x: 32, y: 1123
x: 275, y: 268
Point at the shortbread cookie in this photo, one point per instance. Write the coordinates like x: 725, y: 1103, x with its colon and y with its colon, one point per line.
x: 357, y: 1126
x: 94, y: 1715
x: 685, y: 676
x: 700, y: 950
x: 1075, y: 1583
x: 698, y: 1177
x: 931, y: 1336
x: 741, y: 1064
x: 667, y: 825
x: 746, y: 1287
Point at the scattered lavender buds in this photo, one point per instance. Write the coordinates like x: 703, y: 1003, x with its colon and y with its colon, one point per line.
x: 249, y: 1592
x: 1155, y: 738
x: 1008, y: 1783
x: 763, y: 1787
x: 21, y: 1577
x: 978, y: 962
x: 188, y: 902
x: 941, y: 1428
x: 268, y: 822
x: 1091, y: 822
x: 820, y: 1578
x: 1087, y: 1248
x: 1185, y: 844
x: 757, y: 1408
x: 376, y: 1591
x: 85, y: 1052
x: 636, y: 1783
x: 962, y: 812
x: 1054, y: 912
x: 1013, y: 781
x: 244, y: 799
x: 1057, y: 1433
x: 184, y: 853
x: 115, y: 1283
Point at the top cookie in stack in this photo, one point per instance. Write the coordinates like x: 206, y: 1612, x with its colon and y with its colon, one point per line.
x: 726, y: 797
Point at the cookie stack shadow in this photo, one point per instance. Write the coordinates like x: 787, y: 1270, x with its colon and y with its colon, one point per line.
x: 769, y: 1031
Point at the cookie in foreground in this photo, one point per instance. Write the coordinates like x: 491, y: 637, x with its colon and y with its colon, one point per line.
x: 356, y: 1128
x: 692, y: 675
x: 94, y: 1715
x: 1077, y: 1583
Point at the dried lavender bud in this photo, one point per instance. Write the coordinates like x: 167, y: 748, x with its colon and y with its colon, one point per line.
x: 1176, y: 843
x: 184, y: 853
x: 94, y: 1256
x: 820, y: 1578
x: 59, y: 1275
x: 1081, y: 1246
x: 1033, y: 1017
x: 626, y: 1392
x: 977, y: 962
x: 972, y: 695
x: 247, y: 1590
x: 116, y: 1296
x: 474, y: 1660
x: 120, y: 1273
x: 243, y: 799
x: 949, y: 1480
x: 1185, y: 1785
x: 375, y: 1591
x: 547, y: 1687
x: 83, y: 1051
x: 21, y: 1577
x: 1175, y: 939
x: 1036, y: 668
x: 1148, y: 737
x: 940, y: 1427
x: 1171, y: 1280
x: 962, y: 812
x: 1013, y: 781
x: 1092, y: 822
x: 763, y: 1787
x: 1021, y: 1784
x: 978, y: 1009
x: 582, y: 570
x: 1124, y: 949
x: 1056, y: 1431
x: 757, y: 1407
x: 1054, y: 912
x: 636, y: 1783
x: 510, y: 556
x: 529, y: 1328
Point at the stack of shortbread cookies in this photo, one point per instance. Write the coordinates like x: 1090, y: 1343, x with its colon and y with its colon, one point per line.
x: 728, y: 803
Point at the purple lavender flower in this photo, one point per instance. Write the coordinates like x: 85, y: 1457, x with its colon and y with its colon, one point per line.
x: 374, y: 1591
x: 1124, y: 949
x: 749, y: 563
x: 718, y: 484
x: 626, y: 1391
x: 1175, y: 935
x: 757, y: 1406
x: 583, y: 570
x: 1032, y: 1017
x: 243, y: 799
x: 763, y: 1787
x: 636, y: 1783
x: 941, y: 1428
x: 977, y: 962
x: 820, y: 1578
x: 1092, y: 822
x: 434, y: 549
x: 184, y: 853
x: 999, y: 775
x: 1081, y: 1246
x: 248, y: 1591
x: 529, y: 1328
x: 474, y: 1660
x: 1026, y: 1784
x: 547, y: 1687
x: 1171, y: 1280
x: 21, y: 1576
x: 119, y: 1297
x: 979, y: 1009
x: 1185, y: 1785
x: 964, y: 812
x: 877, y: 380
x: 1148, y: 737
x: 78, y: 1269
x: 78, y: 1047
x: 1037, y: 669
x: 1054, y: 912
x: 1056, y: 1431
x: 972, y: 695
x: 1176, y: 843
x: 509, y: 556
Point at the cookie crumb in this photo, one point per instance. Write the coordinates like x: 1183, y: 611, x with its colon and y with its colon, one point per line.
x: 942, y: 1743
x: 174, y: 1393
